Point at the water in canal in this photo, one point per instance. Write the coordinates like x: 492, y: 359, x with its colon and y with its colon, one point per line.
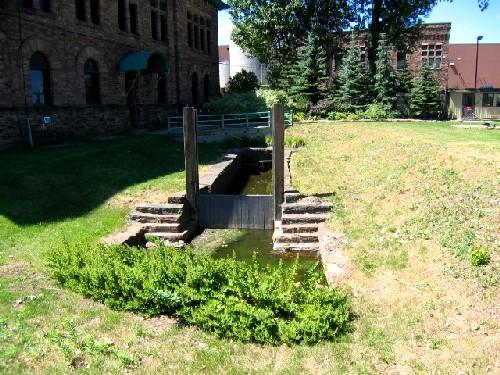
x: 260, y: 243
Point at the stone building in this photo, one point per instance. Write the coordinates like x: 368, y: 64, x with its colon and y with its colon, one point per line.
x: 76, y: 68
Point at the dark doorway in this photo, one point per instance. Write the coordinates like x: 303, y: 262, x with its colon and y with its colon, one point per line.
x: 468, y: 105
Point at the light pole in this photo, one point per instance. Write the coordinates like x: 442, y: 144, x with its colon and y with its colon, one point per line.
x: 480, y: 37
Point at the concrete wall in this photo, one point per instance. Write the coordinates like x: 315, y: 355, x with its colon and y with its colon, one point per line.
x: 240, y: 61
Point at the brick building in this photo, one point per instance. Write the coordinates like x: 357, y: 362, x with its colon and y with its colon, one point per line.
x: 73, y: 68
x: 433, y: 48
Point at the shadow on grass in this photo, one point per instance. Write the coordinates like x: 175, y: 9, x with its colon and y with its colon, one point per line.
x: 50, y: 185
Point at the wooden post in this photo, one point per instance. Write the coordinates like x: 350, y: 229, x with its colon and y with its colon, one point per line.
x: 191, y: 157
x: 278, y: 122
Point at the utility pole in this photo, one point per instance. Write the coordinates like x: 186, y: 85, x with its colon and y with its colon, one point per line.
x: 480, y: 37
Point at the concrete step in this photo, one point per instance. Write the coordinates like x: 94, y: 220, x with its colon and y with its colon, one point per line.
x: 177, y: 198
x: 295, y: 238
x: 161, y: 209
x: 306, y: 208
x: 300, y: 228
x: 145, y: 218
x: 162, y: 228
x: 288, y: 219
x: 312, y: 248
x: 292, y: 197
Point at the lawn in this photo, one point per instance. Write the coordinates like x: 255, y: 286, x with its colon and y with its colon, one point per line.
x: 413, y: 199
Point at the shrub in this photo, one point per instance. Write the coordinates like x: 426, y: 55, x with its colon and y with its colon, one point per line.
x: 237, y: 103
x: 232, y: 299
x: 324, y: 107
x: 299, y: 116
x: 272, y: 97
x: 377, y: 111
x: 354, y: 117
x: 295, y: 142
x: 479, y: 257
x: 243, y: 82
x: 333, y: 116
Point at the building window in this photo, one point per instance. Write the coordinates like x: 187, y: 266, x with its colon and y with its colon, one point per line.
x: 132, y: 10
x: 154, y: 25
x: 202, y: 39
x: 206, y: 88
x: 432, y: 55
x: 163, y: 28
x: 196, y: 37
x: 25, y: 4
x: 400, y: 61
x: 209, y: 41
x: 40, y: 79
x: 194, y: 88
x: 122, y: 22
x: 163, y: 5
x: 44, y: 5
x: 488, y: 100
x: 94, y: 12
x: 498, y: 100
x: 199, y: 35
x: 91, y: 77
x: 80, y: 10
x: 190, y: 34
x: 162, y: 90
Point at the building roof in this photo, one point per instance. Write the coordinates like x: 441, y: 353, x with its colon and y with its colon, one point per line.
x: 462, y: 58
x: 224, y: 55
x: 219, y: 4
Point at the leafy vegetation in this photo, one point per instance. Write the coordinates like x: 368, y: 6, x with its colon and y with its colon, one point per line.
x: 229, y: 298
x: 242, y: 82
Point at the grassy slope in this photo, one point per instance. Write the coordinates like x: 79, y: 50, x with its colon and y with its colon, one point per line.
x: 398, y: 190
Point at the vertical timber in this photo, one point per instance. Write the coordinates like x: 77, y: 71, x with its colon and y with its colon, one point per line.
x: 191, y: 158
x: 278, y: 124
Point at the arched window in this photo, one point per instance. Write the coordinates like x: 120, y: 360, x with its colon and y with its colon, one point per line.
x: 194, y: 88
x: 206, y: 88
x: 91, y: 76
x: 40, y: 79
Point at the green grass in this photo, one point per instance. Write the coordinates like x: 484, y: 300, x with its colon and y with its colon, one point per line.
x: 414, y: 200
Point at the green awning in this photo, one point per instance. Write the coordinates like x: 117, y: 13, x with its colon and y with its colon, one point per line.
x: 150, y: 61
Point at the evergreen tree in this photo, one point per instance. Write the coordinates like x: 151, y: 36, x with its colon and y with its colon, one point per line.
x: 425, y: 97
x: 386, y: 83
x: 405, y: 84
x: 310, y: 71
x: 354, y: 91
x: 287, y: 74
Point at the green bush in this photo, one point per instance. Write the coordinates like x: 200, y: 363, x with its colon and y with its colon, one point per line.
x: 272, y: 97
x: 377, y: 111
x: 335, y: 116
x: 243, y: 82
x: 295, y: 142
x: 479, y: 257
x: 299, y: 116
x: 354, y: 116
x: 237, y: 103
x: 232, y: 299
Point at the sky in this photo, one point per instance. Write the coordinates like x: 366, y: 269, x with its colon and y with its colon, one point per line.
x: 467, y: 21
